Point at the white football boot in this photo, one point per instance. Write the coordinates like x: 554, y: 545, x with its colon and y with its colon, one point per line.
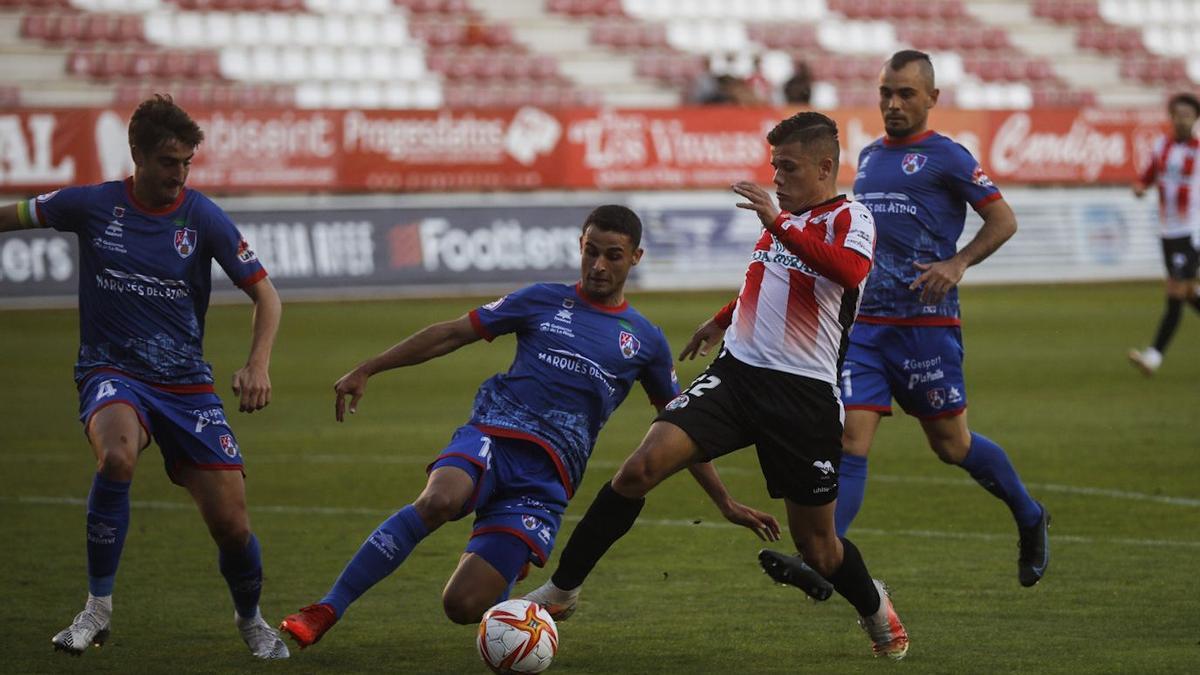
x: 558, y: 603
x: 1147, y: 360
x: 90, y: 627
x: 263, y: 641
x: 887, y: 634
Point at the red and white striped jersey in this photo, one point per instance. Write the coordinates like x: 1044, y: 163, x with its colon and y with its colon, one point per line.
x: 1173, y: 168
x: 802, y: 290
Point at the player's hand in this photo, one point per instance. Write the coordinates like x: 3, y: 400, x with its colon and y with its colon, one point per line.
x: 352, y: 384
x: 937, y: 278
x: 761, y: 523
x: 707, y: 335
x: 760, y: 202
x: 1139, y: 190
x: 252, y: 386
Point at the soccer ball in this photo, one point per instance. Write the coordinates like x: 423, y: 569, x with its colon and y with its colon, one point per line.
x: 517, y: 636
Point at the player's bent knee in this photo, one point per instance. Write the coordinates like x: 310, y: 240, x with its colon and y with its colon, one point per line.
x: 634, y: 480
x: 951, y: 452
x: 437, y: 508
x: 821, y: 556
x: 463, y: 609
x: 230, y: 533
x: 117, y: 465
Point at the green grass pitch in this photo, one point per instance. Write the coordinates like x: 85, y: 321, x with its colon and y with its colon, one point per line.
x: 1114, y: 455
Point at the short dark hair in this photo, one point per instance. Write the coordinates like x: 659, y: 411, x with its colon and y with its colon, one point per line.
x: 616, y: 218
x: 1186, y: 99
x: 158, y: 120
x: 812, y: 129
x: 906, y: 56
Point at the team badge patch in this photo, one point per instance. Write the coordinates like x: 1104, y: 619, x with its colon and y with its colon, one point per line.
x: 629, y: 345
x: 531, y: 522
x: 678, y: 402
x: 228, y: 445
x: 185, y: 241
x: 913, y: 162
x: 980, y: 178
x: 245, y: 253
x: 937, y: 397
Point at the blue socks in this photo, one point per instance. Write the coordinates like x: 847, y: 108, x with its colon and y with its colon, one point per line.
x: 378, y: 557
x: 852, y: 488
x: 107, y: 524
x: 986, y: 462
x: 243, y: 572
x: 989, y: 465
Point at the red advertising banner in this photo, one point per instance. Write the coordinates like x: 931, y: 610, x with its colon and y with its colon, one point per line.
x: 530, y: 148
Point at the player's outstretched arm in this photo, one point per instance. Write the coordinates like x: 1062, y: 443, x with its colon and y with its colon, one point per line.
x: 937, y: 278
x: 761, y: 523
x: 252, y: 382
x: 428, y: 343
x: 11, y: 218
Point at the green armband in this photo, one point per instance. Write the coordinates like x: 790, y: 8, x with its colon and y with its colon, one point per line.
x: 24, y: 215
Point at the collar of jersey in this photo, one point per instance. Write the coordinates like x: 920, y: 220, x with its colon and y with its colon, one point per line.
x: 146, y: 209
x: 907, y: 140
x: 603, y: 308
x: 817, y: 209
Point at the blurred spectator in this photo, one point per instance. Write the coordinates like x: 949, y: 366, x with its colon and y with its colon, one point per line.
x: 797, y: 90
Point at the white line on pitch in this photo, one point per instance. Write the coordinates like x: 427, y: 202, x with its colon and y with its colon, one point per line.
x: 730, y: 470
x: 659, y: 522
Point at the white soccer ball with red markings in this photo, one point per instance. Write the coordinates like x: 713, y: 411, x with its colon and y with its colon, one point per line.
x: 517, y: 636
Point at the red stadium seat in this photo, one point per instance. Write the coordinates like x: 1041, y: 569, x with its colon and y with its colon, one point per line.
x: 35, y: 26
x: 114, y: 64
x: 65, y: 28
x: 95, y: 28
x: 82, y: 62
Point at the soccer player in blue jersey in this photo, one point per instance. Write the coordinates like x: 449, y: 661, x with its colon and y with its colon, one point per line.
x: 906, y: 343
x: 520, y: 457
x: 146, y: 250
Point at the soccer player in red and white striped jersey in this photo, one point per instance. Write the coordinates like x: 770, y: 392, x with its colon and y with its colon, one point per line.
x: 773, y: 385
x: 1173, y: 168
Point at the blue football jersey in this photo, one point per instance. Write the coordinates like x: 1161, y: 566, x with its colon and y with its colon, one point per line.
x: 145, y: 276
x: 575, y: 363
x: 918, y: 190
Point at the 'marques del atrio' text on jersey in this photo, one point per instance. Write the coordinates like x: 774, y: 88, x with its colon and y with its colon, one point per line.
x: 145, y: 277
x: 575, y: 363
x: 918, y: 190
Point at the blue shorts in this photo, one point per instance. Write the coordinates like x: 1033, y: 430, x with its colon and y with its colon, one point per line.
x: 518, y: 493
x: 920, y: 366
x: 190, y: 428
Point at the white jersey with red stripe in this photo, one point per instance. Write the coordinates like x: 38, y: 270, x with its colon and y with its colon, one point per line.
x: 790, y: 318
x: 1173, y: 168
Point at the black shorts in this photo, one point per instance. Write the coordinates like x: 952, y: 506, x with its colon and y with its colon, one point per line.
x: 1181, y: 258
x: 794, y: 422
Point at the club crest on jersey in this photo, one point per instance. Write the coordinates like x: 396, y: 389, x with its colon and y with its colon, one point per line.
x: 913, y: 162
x: 629, y: 345
x: 531, y: 522
x: 185, y: 241
x: 228, y: 445
x: 937, y: 397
